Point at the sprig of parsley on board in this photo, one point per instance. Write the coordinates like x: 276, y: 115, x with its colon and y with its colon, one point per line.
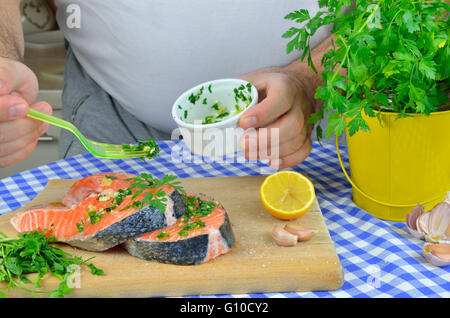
x: 395, y: 53
x: 31, y: 252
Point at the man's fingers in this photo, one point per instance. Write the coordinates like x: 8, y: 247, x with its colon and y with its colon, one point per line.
x: 295, y: 158
x: 278, y: 151
x: 17, y: 156
x: 45, y: 108
x: 256, y: 79
x: 283, y: 155
x: 12, y: 107
x: 277, y: 101
x: 17, y: 79
x: 17, y: 144
x: 14, y: 129
x: 289, y: 126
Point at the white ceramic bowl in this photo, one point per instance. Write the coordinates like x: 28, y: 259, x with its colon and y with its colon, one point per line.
x: 218, y: 138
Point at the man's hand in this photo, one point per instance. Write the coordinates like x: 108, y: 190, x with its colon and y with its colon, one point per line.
x: 284, y: 106
x: 18, y: 90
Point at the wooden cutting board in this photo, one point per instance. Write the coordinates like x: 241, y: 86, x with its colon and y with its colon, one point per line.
x: 255, y: 265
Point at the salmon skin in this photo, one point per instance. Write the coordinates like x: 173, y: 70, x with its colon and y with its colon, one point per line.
x: 195, y: 246
x: 72, y: 223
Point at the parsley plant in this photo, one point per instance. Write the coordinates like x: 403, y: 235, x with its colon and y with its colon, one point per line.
x: 395, y: 54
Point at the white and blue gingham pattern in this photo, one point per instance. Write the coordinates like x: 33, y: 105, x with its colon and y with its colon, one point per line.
x: 380, y: 258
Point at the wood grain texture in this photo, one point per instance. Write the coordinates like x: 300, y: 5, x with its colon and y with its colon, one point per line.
x: 255, y: 264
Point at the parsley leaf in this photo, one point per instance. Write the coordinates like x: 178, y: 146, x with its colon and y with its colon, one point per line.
x: 150, y: 187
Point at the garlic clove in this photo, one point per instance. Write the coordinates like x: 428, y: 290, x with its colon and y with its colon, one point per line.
x: 439, y: 221
x: 283, y: 237
x: 413, y: 215
x: 422, y: 223
x: 437, y: 254
x: 447, y: 197
x: 302, y: 233
x: 411, y: 221
x: 106, y: 181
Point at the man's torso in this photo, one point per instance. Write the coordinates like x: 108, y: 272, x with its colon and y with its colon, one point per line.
x: 146, y: 53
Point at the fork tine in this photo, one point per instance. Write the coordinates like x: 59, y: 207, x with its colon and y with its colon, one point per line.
x: 118, y: 148
x: 124, y: 152
x: 109, y: 156
x: 108, y: 146
x: 124, y: 155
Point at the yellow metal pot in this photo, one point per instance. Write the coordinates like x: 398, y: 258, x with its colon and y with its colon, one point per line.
x: 400, y: 163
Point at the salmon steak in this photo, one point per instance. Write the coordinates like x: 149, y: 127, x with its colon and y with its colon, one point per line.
x: 104, y: 210
x: 202, y: 234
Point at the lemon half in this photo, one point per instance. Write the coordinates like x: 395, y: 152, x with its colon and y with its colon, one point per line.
x: 287, y: 195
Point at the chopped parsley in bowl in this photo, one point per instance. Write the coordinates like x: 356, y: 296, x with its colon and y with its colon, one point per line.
x: 214, y: 102
x: 208, y: 115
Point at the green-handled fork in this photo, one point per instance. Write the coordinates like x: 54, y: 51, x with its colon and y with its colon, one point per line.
x: 143, y: 150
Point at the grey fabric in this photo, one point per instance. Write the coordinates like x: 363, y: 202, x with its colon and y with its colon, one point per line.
x: 96, y: 114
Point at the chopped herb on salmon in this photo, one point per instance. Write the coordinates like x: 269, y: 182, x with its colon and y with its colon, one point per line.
x: 196, y: 207
x: 80, y: 226
x: 93, y: 215
x: 163, y: 235
x: 150, y: 187
x: 201, y: 235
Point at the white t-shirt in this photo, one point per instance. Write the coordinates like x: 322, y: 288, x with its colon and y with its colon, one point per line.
x: 146, y: 53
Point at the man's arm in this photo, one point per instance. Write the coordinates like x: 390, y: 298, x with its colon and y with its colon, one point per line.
x: 11, y: 33
x: 304, y: 73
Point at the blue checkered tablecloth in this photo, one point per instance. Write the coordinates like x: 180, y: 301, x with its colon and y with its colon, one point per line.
x: 380, y: 258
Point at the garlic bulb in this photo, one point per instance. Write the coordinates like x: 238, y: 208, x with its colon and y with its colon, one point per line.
x: 434, y: 227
